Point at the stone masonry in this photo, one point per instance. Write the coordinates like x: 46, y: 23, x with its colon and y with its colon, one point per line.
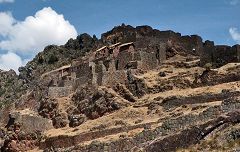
x: 140, y: 48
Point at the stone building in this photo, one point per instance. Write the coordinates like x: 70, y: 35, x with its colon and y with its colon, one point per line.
x: 132, y: 49
x: 107, y: 65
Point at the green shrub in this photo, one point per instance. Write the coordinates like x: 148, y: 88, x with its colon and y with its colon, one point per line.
x: 208, y: 66
x: 52, y: 59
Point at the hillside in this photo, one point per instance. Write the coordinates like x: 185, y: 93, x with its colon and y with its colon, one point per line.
x: 134, y: 89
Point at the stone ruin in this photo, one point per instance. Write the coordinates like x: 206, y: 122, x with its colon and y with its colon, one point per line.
x: 145, y: 37
x: 219, y: 54
x: 127, y: 50
x: 106, y: 66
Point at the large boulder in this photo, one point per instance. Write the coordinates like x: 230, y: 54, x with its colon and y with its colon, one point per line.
x: 97, y: 102
x: 29, y: 121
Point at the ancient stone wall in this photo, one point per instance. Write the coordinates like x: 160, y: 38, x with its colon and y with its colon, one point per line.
x: 145, y: 37
x: 148, y: 50
x: 109, y: 76
x: 56, y: 92
x: 149, y: 60
x: 192, y: 44
x: 82, y: 70
x: 124, y: 57
x: 100, y: 71
x: 121, y: 34
x: 207, y: 54
x: 164, y: 36
x: 236, y: 50
x: 83, y: 74
x: 161, y: 53
x: 223, y: 54
x: 220, y: 54
x: 107, y: 70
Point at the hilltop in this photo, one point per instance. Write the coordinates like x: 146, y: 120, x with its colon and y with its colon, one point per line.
x: 134, y: 89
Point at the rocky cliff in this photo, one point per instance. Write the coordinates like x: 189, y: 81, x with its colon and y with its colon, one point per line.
x: 134, y: 89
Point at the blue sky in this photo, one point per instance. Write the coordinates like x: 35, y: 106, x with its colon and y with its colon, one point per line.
x: 211, y: 19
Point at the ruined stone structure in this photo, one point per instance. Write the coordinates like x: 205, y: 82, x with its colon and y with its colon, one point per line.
x: 129, y: 48
x: 106, y: 66
x: 145, y: 37
x: 219, y: 54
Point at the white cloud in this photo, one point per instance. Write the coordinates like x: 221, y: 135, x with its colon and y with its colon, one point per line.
x: 6, y: 1
x: 234, y: 2
x: 235, y: 34
x: 35, y: 32
x: 6, y: 23
x: 30, y: 36
x: 10, y: 61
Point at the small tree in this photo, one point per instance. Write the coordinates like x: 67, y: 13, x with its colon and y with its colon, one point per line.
x: 208, y: 66
x: 52, y: 59
x: 40, y: 59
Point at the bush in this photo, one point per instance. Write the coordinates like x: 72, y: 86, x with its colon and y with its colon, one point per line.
x: 40, y: 59
x: 208, y: 66
x: 52, y: 59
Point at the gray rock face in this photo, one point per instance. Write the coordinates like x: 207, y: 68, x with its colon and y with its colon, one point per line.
x: 29, y: 121
x: 11, y: 87
x: 95, y: 104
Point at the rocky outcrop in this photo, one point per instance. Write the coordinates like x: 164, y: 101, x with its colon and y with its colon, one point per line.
x: 53, y: 56
x: 11, y: 87
x: 96, y: 103
x: 29, y: 121
x: 23, y: 131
